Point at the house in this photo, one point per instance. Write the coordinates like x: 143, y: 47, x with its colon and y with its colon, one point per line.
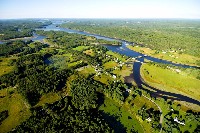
x: 128, y: 90
x: 176, y: 120
x: 177, y: 70
x: 148, y: 119
x: 114, y: 76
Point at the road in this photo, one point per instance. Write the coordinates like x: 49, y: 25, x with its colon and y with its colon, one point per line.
x: 161, y: 116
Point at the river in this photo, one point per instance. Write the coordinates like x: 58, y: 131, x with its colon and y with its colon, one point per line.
x: 136, y: 66
x: 125, y: 51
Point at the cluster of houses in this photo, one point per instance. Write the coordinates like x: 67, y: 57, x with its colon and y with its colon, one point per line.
x: 176, y: 70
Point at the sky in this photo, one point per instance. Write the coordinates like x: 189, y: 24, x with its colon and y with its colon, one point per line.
x: 13, y: 9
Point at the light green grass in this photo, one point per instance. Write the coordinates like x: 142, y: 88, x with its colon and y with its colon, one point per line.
x: 69, y: 57
x: 47, y: 50
x: 81, y: 48
x: 114, y: 109
x: 120, y: 57
x: 136, y: 103
x: 103, y: 78
x: 74, y: 63
x: 18, y: 109
x: 32, y: 45
x: 48, y: 98
x: 4, y: 65
x: 88, y: 70
x: 110, y: 64
x: 124, y: 71
x: 89, y: 52
x: 171, y: 81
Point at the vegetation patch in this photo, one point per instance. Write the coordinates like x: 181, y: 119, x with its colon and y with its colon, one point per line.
x: 6, y: 65
x: 89, y: 52
x: 18, y: 109
x: 81, y: 48
x: 116, y: 55
x: 171, y: 80
x: 124, y: 71
x: 129, y: 123
x: 168, y: 55
x: 86, y: 70
x: 48, y: 98
x: 110, y: 64
x: 103, y: 78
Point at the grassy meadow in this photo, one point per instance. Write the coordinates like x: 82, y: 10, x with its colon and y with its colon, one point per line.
x: 18, y: 109
x: 171, y: 80
x: 168, y: 55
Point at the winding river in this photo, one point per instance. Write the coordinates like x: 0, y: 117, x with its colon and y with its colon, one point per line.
x: 136, y: 66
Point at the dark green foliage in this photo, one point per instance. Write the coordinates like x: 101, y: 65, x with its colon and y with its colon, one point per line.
x: 11, y: 48
x: 10, y: 29
x: 181, y: 35
x: 34, y: 78
x: 116, y: 90
x: 3, y: 115
x: 20, y: 47
x: 83, y: 93
x: 154, y: 115
x: 63, y: 117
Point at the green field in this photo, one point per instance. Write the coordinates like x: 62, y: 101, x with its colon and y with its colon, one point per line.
x: 124, y: 71
x: 167, y: 55
x: 116, y: 55
x: 171, y: 80
x: 110, y: 64
x: 120, y: 113
x: 5, y: 65
x: 48, y: 99
x: 81, y: 48
x: 18, y: 109
x: 74, y: 63
x: 87, y: 70
x: 103, y: 78
x: 89, y: 52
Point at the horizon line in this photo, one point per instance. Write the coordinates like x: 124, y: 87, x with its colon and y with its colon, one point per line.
x: 90, y: 18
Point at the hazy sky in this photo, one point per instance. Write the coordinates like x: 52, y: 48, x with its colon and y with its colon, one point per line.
x: 99, y: 9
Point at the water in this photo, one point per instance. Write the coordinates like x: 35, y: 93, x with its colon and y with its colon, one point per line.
x: 136, y: 66
x: 37, y: 37
x: 119, y: 49
x: 1, y: 42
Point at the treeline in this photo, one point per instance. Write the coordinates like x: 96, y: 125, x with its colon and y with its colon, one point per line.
x: 63, y: 116
x: 179, y: 35
x: 10, y: 29
x: 34, y: 78
x: 3, y: 115
x: 70, y: 40
x: 20, y: 47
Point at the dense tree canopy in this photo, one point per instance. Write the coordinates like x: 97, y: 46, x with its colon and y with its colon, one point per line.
x: 182, y: 36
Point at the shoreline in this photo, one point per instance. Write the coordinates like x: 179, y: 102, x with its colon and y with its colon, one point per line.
x: 150, y: 55
x: 20, y: 38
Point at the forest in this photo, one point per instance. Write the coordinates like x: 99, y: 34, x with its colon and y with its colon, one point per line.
x: 19, y: 28
x: 157, y: 34
x: 72, y: 83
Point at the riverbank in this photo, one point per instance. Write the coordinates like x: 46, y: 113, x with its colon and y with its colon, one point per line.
x: 168, y: 56
x: 20, y: 38
x: 171, y: 80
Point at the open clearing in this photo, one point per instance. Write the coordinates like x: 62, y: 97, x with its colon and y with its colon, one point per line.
x: 120, y: 113
x: 18, y: 109
x: 171, y: 81
x: 5, y: 65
